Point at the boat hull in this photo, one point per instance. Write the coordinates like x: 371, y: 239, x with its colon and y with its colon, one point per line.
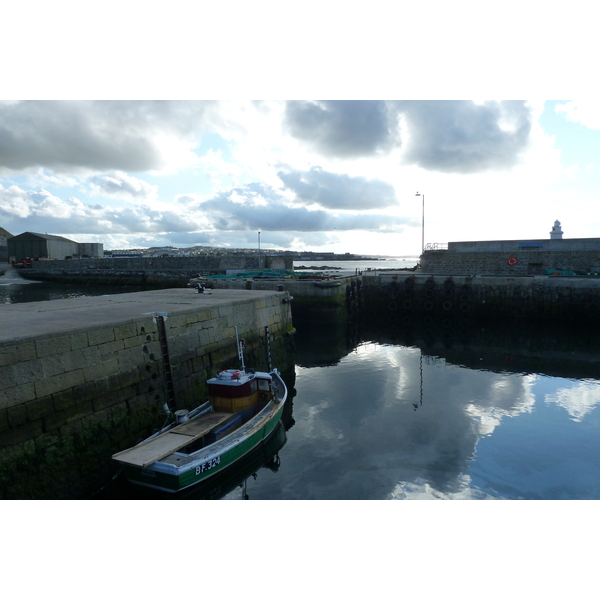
x: 214, y: 458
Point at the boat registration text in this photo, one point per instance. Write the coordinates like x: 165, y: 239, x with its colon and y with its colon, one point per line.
x: 207, y: 466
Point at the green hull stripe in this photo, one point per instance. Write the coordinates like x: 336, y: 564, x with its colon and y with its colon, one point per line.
x: 176, y: 483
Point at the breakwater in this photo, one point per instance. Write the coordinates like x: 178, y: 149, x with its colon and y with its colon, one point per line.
x: 162, y: 271
x: 514, y: 258
x: 398, y: 298
x: 83, y: 378
x: 314, y: 300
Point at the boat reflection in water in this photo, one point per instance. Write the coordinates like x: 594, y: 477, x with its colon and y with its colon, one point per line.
x: 266, y: 456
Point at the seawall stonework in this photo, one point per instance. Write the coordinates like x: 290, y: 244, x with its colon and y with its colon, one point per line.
x: 396, y: 298
x: 528, y: 262
x: 69, y: 393
x: 162, y: 271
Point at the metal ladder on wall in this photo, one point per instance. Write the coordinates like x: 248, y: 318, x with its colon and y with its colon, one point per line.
x: 164, y: 348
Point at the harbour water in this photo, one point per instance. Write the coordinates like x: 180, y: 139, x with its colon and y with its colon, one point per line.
x: 424, y: 411
x: 350, y: 267
x: 402, y: 421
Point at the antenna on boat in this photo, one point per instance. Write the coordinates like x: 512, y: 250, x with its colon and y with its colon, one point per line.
x: 240, y: 346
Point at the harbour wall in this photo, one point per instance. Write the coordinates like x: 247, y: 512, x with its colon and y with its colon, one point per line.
x: 511, y: 260
x: 321, y: 301
x: 398, y: 298
x: 83, y: 378
x: 162, y: 271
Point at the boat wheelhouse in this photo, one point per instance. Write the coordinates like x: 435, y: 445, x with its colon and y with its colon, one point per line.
x: 242, y: 411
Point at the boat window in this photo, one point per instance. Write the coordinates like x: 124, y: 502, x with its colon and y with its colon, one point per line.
x: 263, y: 385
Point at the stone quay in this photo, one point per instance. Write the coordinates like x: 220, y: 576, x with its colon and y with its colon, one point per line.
x: 82, y: 378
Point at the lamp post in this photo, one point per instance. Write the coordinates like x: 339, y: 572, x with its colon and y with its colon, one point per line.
x: 422, y: 223
x: 259, y: 249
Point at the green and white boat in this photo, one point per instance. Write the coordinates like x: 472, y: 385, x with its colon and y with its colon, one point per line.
x: 242, y: 411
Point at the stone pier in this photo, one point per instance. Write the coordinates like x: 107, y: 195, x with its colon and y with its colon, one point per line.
x: 83, y: 378
x: 396, y: 298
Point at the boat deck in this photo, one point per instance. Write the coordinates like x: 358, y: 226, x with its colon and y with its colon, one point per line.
x: 180, y: 436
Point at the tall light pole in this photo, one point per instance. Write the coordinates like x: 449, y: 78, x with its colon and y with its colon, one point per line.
x: 259, y: 249
x: 422, y: 223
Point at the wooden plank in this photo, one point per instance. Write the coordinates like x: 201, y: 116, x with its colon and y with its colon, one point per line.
x: 153, y: 450
x: 202, y: 425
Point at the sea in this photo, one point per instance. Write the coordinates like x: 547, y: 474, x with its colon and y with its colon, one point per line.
x: 419, y: 411
x: 351, y: 267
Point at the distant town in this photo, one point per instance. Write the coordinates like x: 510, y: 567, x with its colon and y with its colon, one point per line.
x: 212, y: 251
x: 34, y: 246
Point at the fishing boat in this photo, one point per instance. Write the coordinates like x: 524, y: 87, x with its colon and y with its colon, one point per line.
x: 242, y: 411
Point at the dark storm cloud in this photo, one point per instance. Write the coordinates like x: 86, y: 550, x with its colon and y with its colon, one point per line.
x: 464, y: 137
x: 342, y: 128
x: 335, y: 191
x: 96, y: 135
x: 237, y: 209
x: 446, y: 135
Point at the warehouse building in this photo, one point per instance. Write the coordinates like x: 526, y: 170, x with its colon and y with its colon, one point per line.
x: 44, y: 246
x: 4, y: 236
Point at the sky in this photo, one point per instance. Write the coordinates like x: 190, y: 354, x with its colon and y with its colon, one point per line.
x: 111, y: 144
x: 333, y: 175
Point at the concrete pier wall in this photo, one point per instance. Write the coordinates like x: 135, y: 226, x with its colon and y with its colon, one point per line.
x: 511, y: 261
x: 313, y: 300
x: 396, y: 298
x: 160, y: 271
x: 83, y: 378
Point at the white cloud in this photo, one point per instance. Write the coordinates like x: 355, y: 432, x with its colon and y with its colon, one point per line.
x: 120, y: 185
x: 217, y: 168
x: 579, y: 111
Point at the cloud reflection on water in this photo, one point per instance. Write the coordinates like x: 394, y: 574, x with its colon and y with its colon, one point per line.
x: 395, y: 424
x: 578, y: 400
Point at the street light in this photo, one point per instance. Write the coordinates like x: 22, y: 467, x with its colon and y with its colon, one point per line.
x: 422, y: 223
x: 259, y: 249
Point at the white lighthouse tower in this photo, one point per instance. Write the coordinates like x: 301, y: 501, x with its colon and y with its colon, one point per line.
x: 556, y: 233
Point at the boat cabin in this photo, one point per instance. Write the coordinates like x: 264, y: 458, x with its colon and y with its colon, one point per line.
x: 237, y: 391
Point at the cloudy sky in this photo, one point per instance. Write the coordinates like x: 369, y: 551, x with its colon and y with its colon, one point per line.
x: 336, y: 175
x: 326, y: 175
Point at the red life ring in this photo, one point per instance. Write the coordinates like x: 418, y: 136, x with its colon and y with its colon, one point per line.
x: 512, y: 261
x: 230, y: 374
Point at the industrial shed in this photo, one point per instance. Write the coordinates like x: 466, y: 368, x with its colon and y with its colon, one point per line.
x: 41, y: 245
x: 4, y: 236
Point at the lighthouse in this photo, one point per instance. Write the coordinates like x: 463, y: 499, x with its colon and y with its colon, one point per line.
x: 556, y: 233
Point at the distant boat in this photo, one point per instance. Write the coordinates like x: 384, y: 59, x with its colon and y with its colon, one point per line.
x: 242, y: 411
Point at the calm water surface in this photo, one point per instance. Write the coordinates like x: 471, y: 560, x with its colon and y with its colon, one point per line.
x: 14, y: 289
x: 393, y: 422
x: 426, y: 411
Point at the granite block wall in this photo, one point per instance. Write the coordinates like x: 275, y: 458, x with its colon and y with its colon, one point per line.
x: 89, y: 393
x: 528, y: 262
